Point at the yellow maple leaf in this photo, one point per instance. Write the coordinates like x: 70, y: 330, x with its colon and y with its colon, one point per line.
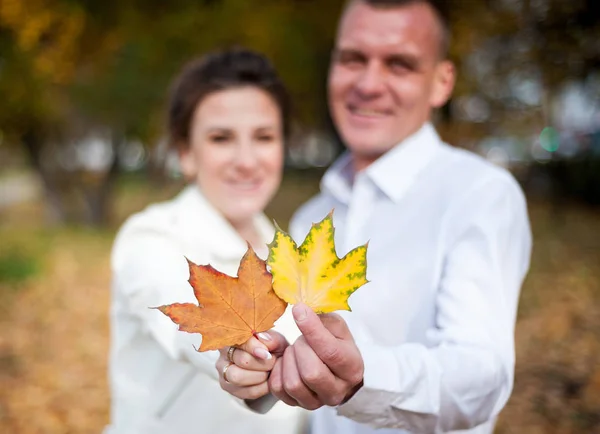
x: 313, y: 273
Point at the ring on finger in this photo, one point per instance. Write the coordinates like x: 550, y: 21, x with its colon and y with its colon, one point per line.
x: 230, y: 354
x: 224, y: 372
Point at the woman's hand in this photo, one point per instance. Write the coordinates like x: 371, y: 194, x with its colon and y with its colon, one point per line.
x: 244, y: 370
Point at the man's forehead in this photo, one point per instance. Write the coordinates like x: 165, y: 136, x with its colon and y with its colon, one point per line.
x: 380, y: 43
x: 409, y: 28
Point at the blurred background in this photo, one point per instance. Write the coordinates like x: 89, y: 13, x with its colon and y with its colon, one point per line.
x: 82, y: 93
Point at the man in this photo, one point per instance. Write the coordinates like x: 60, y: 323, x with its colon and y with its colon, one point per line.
x: 429, y: 344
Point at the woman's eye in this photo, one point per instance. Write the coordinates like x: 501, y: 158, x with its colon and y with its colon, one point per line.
x: 265, y: 138
x: 219, y: 139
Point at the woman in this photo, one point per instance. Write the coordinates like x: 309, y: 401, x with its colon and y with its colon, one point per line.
x: 228, y: 118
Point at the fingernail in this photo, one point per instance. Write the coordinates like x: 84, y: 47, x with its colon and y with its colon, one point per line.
x: 262, y: 354
x: 300, y: 313
x: 264, y: 336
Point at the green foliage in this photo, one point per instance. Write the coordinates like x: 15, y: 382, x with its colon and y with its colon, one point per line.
x: 16, y: 266
x: 115, y: 65
x: 112, y: 61
x: 68, y: 67
x: 21, y: 256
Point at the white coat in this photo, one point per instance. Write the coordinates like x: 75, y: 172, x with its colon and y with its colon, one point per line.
x: 159, y: 382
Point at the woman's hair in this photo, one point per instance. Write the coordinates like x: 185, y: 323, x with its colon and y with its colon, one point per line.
x: 220, y: 70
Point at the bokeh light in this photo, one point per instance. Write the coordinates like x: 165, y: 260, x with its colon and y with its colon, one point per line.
x: 550, y: 139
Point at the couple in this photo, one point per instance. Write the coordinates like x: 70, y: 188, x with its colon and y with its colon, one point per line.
x: 429, y: 346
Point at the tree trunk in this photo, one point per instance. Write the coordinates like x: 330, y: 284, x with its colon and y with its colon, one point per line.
x: 97, y: 196
x: 55, y: 210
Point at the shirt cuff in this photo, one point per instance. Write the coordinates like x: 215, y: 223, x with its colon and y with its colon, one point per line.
x: 395, y: 390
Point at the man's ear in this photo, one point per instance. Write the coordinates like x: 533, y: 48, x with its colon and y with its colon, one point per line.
x: 443, y: 84
x: 187, y: 161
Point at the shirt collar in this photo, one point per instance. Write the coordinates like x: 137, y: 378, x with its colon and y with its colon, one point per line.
x: 392, y: 173
x: 199, y: 218
x: 338, y: 179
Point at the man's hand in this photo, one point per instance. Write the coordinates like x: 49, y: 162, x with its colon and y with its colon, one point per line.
x: 323, y: 367
x: 247, y: 367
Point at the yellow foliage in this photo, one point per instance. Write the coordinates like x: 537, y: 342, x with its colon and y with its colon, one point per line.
x: 312, y: 273
x: 48, y: 32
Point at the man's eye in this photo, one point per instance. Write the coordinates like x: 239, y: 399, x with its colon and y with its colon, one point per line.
x: 350, y: 60
x: 399, y: 66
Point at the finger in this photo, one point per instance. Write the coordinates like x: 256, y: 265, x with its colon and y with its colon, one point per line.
x: 247, y: 361
x: 316, y: 375
x: 238, y: 376
x: 293, y: 384
x: 256, y: 348
x: 226, y: 352
x: 275, y: 342
x: 336, y: 326
x: 242, y: 377
x: 276, y: 384
x: 251, y: 392
x: 221, y: 363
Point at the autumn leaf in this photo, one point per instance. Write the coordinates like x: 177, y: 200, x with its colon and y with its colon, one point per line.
x: 231, y: 309
x: 313, y: 273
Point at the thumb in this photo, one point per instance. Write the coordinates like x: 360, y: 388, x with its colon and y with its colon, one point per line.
x: 337, y: 326
x: 315, y: 333
x: 331, y: 340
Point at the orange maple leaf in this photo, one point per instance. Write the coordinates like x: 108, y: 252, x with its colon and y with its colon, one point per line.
x: 231, y: 309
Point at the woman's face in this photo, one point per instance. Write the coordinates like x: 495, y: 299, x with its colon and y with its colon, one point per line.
x: 235, y: 153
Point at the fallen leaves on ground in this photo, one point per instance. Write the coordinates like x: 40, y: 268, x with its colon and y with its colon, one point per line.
x: 54, y: 339
x: 54, y: 333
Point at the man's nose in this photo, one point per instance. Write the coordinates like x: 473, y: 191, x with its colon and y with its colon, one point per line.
x: 371, y: 81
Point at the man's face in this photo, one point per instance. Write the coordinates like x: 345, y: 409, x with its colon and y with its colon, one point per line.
x: 386, y: 76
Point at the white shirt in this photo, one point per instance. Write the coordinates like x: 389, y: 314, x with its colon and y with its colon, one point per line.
x: 449, y: 246
x: 159, y: 383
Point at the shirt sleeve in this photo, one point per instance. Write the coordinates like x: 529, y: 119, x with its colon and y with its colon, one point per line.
x: 465, y: 377
x: 150, y: 270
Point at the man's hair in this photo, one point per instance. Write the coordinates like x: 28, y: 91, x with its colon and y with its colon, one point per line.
x: 439, y: 7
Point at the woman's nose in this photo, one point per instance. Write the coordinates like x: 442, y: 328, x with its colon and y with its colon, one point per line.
x: 246, y: 155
